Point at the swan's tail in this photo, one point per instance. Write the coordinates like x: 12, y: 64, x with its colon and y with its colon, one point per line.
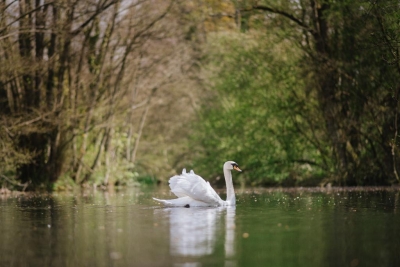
x: 180, y: 202
x: 162, y: 201
x: 171, y: 202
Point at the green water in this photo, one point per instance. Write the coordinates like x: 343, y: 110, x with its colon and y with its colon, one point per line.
x: 299, y: 227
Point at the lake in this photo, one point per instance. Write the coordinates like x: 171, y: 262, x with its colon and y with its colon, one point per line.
x: 268, y: 227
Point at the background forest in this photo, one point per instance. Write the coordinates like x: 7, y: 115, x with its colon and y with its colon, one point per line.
x: 116, y: 92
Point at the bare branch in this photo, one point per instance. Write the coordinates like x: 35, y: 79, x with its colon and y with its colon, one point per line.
x: 24, y: 15
x: 283, y: 13
x: 99, y: 11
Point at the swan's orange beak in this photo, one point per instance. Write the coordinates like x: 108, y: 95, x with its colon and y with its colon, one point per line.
x: 237, y: 168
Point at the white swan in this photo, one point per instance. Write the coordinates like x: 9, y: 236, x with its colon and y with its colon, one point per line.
x: 194, y: 191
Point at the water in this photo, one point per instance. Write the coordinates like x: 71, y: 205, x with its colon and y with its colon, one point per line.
x: 294, y: 227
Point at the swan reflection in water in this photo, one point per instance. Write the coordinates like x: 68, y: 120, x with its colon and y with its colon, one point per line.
x: 194, y: 231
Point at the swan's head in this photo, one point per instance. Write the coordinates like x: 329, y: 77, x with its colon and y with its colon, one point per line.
x: 231, y: 165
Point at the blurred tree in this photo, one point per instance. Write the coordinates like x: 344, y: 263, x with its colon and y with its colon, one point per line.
x: 78, y: 80
x: 103, y: 91
x: 348, y: 72
x: 259, y: 114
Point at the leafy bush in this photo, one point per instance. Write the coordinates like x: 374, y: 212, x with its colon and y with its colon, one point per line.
x: 258, y: 113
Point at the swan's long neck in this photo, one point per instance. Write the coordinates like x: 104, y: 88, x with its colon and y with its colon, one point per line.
x: 230, y: 192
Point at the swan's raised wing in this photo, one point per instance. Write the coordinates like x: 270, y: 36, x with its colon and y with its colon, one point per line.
x: 193, y: 186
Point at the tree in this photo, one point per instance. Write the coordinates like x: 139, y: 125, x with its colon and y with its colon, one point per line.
x: 81, y: 77
x: 353, y: 124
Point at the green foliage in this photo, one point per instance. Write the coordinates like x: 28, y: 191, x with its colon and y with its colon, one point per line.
x: 64, y: 183
x: 147, y: 180
x: 253, y: 115
x: 299, y: 92
x: 321, y: 103
x: 119, y: 170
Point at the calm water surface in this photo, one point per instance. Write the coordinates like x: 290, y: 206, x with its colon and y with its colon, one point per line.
x: 293, y: 227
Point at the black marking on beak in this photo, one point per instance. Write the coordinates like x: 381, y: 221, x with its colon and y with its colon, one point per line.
x: 236, y: 167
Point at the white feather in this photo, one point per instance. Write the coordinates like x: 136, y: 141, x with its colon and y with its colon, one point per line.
x: 192, y: 190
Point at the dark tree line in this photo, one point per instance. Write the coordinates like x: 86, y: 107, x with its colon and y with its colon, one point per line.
x: 351, y: 48
x: 345, y: 103
x: 98, y: 91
